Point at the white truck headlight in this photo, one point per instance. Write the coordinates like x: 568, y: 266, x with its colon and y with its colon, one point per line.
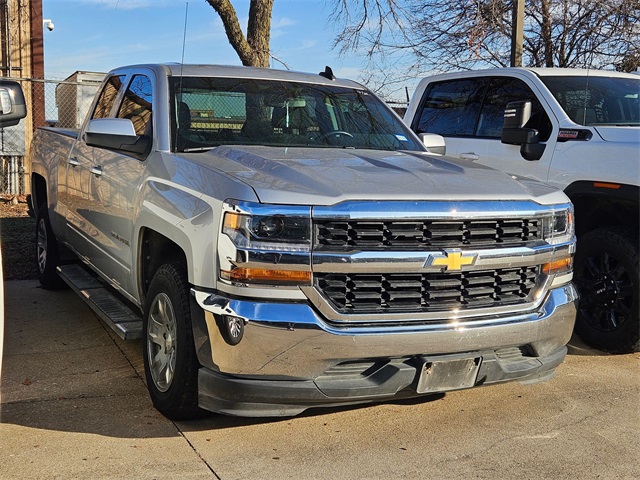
x: 265, y: 244
x: 278, y: 231
x: 559, y: 227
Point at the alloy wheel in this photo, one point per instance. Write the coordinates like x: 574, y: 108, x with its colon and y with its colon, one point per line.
x: 161, y: 342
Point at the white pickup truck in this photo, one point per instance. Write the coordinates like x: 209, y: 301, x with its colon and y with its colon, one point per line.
x: 282, y: 240
x: 578, y: 130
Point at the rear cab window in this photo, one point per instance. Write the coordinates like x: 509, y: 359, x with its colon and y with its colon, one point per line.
x: 107, y: 97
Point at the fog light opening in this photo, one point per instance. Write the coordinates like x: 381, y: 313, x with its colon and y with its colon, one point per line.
x: 233, y: 329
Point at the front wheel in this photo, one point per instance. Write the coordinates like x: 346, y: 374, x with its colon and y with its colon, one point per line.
x: 607, y: 276
x: 47, y: 255
x: 170, y: 364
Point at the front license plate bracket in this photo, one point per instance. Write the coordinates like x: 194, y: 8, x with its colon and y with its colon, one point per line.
x: 445, y: 375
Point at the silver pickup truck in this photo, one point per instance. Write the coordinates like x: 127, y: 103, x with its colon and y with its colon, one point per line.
x: 281, y: 241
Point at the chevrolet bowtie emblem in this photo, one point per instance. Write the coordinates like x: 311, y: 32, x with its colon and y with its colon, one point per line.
x: 450, y: 260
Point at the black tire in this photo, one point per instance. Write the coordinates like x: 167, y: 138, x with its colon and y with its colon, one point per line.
x: 607, y: 276
x: 170, y: 363
x: 47, y: 253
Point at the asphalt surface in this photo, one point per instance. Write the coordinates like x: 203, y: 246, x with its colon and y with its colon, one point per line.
x: 74, y: 405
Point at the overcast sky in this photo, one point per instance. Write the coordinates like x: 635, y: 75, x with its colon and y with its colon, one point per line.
x: 98, y: 35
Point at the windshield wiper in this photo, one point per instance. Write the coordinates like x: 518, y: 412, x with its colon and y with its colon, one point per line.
x: 197, y: 149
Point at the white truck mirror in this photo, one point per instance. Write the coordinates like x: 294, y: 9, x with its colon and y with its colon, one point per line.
x: 111, y: 126
x: 434, y: 143
x: 115, y: 134
x: 12, y: 104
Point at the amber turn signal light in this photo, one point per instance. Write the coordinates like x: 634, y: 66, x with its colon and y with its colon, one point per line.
x: 558, y: 266
x: 266, y: 276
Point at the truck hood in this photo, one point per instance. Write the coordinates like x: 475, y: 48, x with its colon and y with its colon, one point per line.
x: 619, y: 134
x: 318, y: 176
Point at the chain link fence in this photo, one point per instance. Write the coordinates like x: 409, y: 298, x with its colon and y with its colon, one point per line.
x: 54, y: 103
x: 399, y: 107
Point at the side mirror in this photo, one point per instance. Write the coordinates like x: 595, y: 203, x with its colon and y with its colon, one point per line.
x: 516, y: 116
x: 434, y: 143
x: 115, y: 134
x: 12, y: 105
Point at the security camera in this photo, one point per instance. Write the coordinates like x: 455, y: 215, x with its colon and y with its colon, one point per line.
x: 48, y: 23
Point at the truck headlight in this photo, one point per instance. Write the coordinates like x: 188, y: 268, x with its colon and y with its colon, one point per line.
x: 277, y: 231
x: 265, y: 244
x: 559, y: 227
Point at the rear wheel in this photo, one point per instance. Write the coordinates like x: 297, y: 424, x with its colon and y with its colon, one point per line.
x: 607, y: 276
x: 47, y: 254
x: 171, y: 366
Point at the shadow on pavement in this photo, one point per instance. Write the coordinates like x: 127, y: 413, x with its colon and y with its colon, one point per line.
x: 219, y: 422
x: 64, y: 370
x: 577, y: 347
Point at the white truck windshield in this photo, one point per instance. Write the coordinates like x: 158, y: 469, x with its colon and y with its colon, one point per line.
x: 222, y: 111
x: 592, y: 101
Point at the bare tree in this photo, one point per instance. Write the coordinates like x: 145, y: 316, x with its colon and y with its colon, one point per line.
x: 253, y: 49
x: 474, y: 33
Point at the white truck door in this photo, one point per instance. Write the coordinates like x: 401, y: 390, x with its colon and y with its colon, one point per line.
x: 81, y: 215
x: 117, y: 176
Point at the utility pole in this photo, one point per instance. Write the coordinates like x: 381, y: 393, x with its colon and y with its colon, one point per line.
x: 517, y: 33
x: 37, y: 63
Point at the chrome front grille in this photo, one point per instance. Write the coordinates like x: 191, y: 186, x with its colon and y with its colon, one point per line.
x: 427, y: 292
x: 420, y: 234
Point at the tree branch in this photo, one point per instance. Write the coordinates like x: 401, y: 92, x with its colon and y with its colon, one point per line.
x: 232, y: 28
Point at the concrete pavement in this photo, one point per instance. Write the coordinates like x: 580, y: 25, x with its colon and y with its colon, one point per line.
x: 74, y: 405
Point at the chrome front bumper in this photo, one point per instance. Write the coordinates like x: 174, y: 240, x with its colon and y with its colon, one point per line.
x: 287, y: 353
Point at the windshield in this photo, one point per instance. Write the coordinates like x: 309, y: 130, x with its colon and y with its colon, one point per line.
x: 597, y: 100
x: 223, y: 111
